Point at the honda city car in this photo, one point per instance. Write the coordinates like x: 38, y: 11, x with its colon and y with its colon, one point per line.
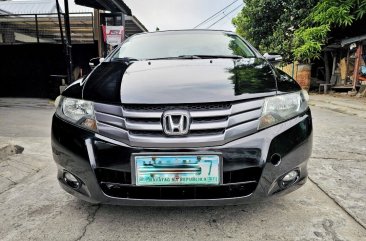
x: 182, y: 118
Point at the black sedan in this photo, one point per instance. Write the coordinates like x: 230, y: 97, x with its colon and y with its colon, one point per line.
x: 192, y: 117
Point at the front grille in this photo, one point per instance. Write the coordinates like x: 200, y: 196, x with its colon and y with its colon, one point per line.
x: 191, y: 133
x: 229, y: 177
x: 143, y: 120
x: 242, y: 175
x: 210, y: 119
x: 236, y: 183
x: 179, y: 193
x: 189, y: 107
x: 211, y: 123
x: 114, y: 176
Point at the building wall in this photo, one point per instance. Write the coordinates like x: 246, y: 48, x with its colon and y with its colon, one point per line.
x: 25, y: 69
x: 290, y: 69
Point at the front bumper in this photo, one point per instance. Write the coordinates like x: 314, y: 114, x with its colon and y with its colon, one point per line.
x: 104, y: 166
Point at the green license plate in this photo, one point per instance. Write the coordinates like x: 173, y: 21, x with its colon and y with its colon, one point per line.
x: 177, y: 170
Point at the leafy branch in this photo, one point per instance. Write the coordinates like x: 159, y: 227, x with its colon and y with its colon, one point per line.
x: 327, y: 14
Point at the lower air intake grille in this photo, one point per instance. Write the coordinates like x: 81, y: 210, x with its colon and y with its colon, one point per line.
x: 179, y: 193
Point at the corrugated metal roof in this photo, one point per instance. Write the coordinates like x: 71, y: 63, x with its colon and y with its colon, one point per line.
x: 109, y: 5
x: 353, y: 40
x: 28, y: 7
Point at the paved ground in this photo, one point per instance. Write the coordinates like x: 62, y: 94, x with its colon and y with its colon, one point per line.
x: 331, y: 206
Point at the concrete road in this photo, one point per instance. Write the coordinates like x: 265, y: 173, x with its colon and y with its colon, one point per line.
x: 331, y: 206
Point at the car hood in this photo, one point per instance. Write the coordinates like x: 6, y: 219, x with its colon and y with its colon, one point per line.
x: 181, y: 81
x: 193, y: 81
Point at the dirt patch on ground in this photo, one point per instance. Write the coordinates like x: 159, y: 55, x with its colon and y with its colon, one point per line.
x: 10, y: 150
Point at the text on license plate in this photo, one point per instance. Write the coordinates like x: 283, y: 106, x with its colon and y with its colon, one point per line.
x: 177, y: 170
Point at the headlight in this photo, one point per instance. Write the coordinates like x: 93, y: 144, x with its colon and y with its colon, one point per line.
x: 281, y: 108
x: 80, y: 112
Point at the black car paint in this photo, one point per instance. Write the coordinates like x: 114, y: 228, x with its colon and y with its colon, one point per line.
x: 145, y: 82
x: 70, y: 153
x: 196, y: 81
x: 230, y: 80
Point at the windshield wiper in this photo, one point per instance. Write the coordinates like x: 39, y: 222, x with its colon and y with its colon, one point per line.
x: 220, y: 56
x: 189, y: 57
x: 200, y: 56
x: 125, y: 59
x: 178, y: 57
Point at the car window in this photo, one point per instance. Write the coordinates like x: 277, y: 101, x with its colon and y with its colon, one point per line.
x: 165, y: 45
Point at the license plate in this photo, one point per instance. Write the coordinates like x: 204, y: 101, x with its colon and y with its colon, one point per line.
x: 177, y: 170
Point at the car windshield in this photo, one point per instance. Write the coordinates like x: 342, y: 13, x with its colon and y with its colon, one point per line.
x: 183, y: 44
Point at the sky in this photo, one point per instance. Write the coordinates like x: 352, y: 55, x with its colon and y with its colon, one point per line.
x: 177, y: 14
x: 183, y: 14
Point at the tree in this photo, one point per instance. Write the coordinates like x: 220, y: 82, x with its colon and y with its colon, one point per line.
x: 270, y: 24
x: 327, y: 14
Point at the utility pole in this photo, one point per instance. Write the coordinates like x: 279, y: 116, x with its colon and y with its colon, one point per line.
x: 68, y: 48
x: 66, y: 43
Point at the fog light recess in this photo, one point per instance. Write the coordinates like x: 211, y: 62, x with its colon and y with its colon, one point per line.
x: 276, y: 159
x: 289, y: 179
x: 71, y: 180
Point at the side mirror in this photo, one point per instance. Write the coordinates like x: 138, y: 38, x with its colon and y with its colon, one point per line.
x: 94, y: 62
x: 273, y: 58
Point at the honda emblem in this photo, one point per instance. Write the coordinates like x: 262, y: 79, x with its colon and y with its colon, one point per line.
x: 176, y: 123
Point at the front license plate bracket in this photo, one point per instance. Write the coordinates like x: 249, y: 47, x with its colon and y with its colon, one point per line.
x: 176, y: 169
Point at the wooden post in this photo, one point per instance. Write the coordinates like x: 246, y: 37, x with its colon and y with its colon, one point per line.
x: 357, y: 66
x: 37, y: 31
x: 347, y: 67
x: 326, y: 67
x: 334, y: 63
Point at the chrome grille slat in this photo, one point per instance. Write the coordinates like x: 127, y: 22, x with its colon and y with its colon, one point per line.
x: 110, y: 119
x: 140, y: 114
x: 173, y: 142
x: 108, y: 109
x: 145, y: 120
x: 157, y: 114
x: 158, y: 127
x: 209, y: 126
x: 210, y: 119
x: 146, y: 126
x: 248, y: 105
x: 210, y: 113
x: 212, y: 124
x: 113, y: 132
x: 244, y: 117
x: 242, y: 130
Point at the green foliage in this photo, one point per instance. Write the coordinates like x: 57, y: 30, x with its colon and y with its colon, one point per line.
x: 296, y: 29
x: 361, y: 9
x: 270, y: 24
x: 255, y: 21
x: 327, y: 14
x: 309, y: 42
x: 333, y: 12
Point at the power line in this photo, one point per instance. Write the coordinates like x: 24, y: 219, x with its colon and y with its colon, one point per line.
x: 213, y: 16
x: 226, y: 15
x: 218, y: 25
x: 216, y: 14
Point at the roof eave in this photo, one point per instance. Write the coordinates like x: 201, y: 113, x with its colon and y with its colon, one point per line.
x: 110, y: 5
x: 353, y: 40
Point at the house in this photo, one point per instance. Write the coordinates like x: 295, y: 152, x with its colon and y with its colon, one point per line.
x: 342, y: 59
x: 33, y: 60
